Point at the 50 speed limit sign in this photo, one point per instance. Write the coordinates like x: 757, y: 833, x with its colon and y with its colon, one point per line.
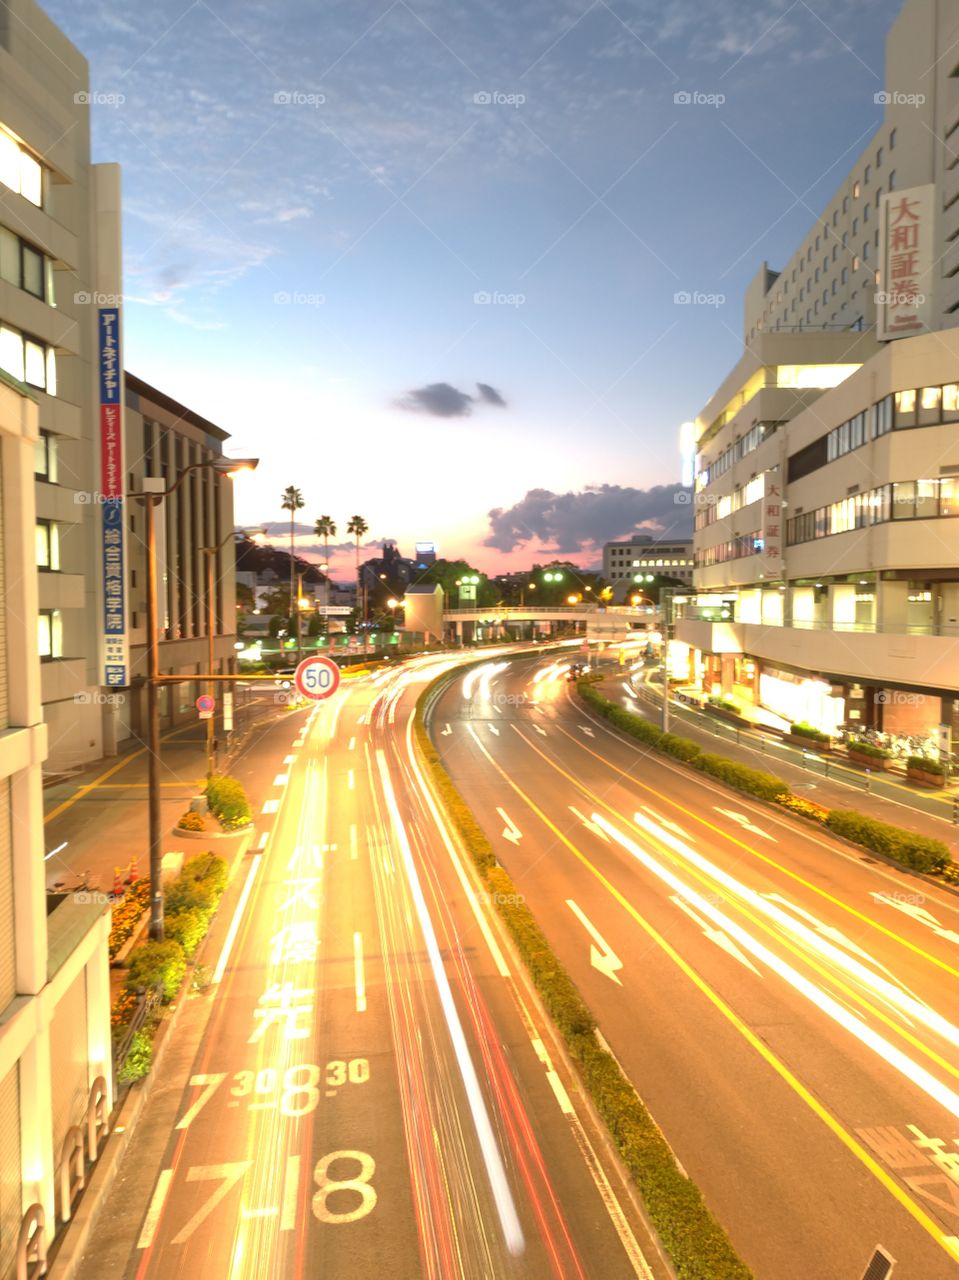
x: 317, y: 678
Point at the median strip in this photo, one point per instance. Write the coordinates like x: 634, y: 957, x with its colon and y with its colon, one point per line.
x: 695, y: 1241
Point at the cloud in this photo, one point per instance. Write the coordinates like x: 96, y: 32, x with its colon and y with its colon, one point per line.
x: 490, y: 395
x: 576, y: 522
x: 441, y: 400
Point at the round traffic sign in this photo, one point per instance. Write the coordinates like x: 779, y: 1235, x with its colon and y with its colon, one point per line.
x: 317, y: 677
x: 205, y: 702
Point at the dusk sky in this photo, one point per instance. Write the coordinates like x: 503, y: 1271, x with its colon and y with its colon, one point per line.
x: 421, y: 258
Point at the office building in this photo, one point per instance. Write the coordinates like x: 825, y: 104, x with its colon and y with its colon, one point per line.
x: 626, y: 562
x: 827, y: 463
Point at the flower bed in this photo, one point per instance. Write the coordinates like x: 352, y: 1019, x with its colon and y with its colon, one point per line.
x: 127, y: 914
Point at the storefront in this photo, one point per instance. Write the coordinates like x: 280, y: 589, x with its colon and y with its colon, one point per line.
x: 802, y: 699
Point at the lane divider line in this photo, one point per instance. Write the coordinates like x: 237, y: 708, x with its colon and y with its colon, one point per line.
x: 359, y: 977
x: 237, y: 917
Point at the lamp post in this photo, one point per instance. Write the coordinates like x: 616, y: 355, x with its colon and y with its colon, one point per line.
x: 223, y: 466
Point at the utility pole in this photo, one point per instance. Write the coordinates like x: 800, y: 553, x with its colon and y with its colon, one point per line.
x: 299, y: 595
x: 666, y: 599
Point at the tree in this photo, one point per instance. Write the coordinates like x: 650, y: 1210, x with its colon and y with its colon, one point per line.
x: 446, y: 573
x: 325, y: 528
x: 358, y: 526
x: 292, y: 502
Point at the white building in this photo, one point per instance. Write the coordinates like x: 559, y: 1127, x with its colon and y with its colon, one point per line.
x: 827, y: 465
x: 55, y: 1045
x: 627, y: 562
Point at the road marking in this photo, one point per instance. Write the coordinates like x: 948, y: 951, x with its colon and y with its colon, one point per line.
x: 351, y: 745
x: 562, y: 1097
x: 281, y: 780
x: 587, y: 730
x: 270, y: 806
x: 289, y: 759
x: 589, y: 824
x: 715, y: 935
x: 237, y: 916
x: 291, y: 1183
x: 264, y: 837
x: 744, y: 822
x: 354, y: 849
x: 358, y: 975
x: 351, y: 780
x: 512, y: 831
x: 539, y: 729
x: 665, y: 822
x: 446, y: 731
x: 493, y: 729
x: 601, y: 956
x: 918, y: 913
x: 492, y: 1157
x: 148, y: 1231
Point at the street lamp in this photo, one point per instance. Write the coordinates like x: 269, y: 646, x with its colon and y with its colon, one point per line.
x: 222, y: 466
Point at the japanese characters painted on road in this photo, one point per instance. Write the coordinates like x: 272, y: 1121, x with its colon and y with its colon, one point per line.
x: 317, y: 677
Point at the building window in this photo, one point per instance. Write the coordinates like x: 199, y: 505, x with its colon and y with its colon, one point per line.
x: 867, y: 174
x: 28, y: 360
x: 19, y: 171
x: 45, y: 458
x: 48, y: 546
x: 892, y: 139
x: 879, y: 158
x: 845, y: 204
x: 49, y: 634
x: 892, y: 180
x: 905, y: 408
x: 855, y: 191
x: 865, y: 213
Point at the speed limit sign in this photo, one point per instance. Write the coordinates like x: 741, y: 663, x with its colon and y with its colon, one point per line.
x: 317, y: 677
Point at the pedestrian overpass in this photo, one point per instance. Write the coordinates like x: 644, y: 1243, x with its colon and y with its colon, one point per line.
x: 599, y: 622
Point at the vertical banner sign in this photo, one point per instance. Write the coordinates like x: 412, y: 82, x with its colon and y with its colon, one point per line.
x: 906, y: 244
x: 772, y: 531
x: 115, y: 641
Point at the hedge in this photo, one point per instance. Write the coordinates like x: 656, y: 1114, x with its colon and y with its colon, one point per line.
x: 765, y: 786
x: 863, y: 748
x: 154, y: 962
x: 801, y: 730
x: 697, y: 1244
x: 926, y: 764
x: 228, y: 802
x: 922, y: 853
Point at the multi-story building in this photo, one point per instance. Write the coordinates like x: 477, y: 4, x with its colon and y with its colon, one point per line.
x: 194, y: 535
x: 625, y: 563
x: 55, y: 1047
x: 827, y: 466
x: 59, y: 294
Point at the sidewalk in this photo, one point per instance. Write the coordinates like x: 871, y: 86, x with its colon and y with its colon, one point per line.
x: 826, y: 780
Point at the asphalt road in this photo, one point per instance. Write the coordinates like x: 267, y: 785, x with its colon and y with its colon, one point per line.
x: 372, y: 1089
x: 786, y: 1006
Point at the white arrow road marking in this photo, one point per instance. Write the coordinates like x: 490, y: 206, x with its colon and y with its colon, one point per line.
x: 447, y: 731
x: 493, y: 729
x: 602, y: 956
x: 665, y: 822
x: 512, y: 831
x: 828, y: 931
x: 744, y: 822
x: 539, y: 729
x: 715, y: 935
x: 589, y: 824
x: 918, y: 913
x: 587, y: 730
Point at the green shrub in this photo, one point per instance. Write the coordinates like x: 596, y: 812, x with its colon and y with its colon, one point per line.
x: 188, y: 928
x: 208, y: 868
x: 802, y: 730
x: 157, y: 962
x: 863, y: 748
x: 228, y: 802
x: 139, y: 1057
x: 765, y: 786
x: 681, y: 748
x: 190, y: 895
x: 922, y: 853
x: 724, y: 704
x: 192, y: 821
x: 926, y: 764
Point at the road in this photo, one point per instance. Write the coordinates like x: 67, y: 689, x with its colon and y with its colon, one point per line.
x: 374, y: 1088
x: 785, y: 1006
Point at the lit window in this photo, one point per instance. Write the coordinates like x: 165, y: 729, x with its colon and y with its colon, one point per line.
x: 45, y: 465
x: 11, y: 352
x: 19, y: 171
x: 855, y: 191
x: 35, y: 364
x: 50, y: 634
x: 48, y: 545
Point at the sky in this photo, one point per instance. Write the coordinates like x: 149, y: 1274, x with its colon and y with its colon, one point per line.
x: 422, y: 258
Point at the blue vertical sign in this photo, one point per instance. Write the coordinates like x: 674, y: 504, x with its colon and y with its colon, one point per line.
x: 115, y: 647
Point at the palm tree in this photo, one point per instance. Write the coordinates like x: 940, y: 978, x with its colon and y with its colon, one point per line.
x: 292, y: 502
x: 358, y: 526
x: 325, y: 528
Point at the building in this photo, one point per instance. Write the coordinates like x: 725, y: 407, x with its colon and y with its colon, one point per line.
x: 827, y: 463
x: 55, y: 1047
x: 59, y: 295
x: 668, y: 558
x: 194, y: 535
